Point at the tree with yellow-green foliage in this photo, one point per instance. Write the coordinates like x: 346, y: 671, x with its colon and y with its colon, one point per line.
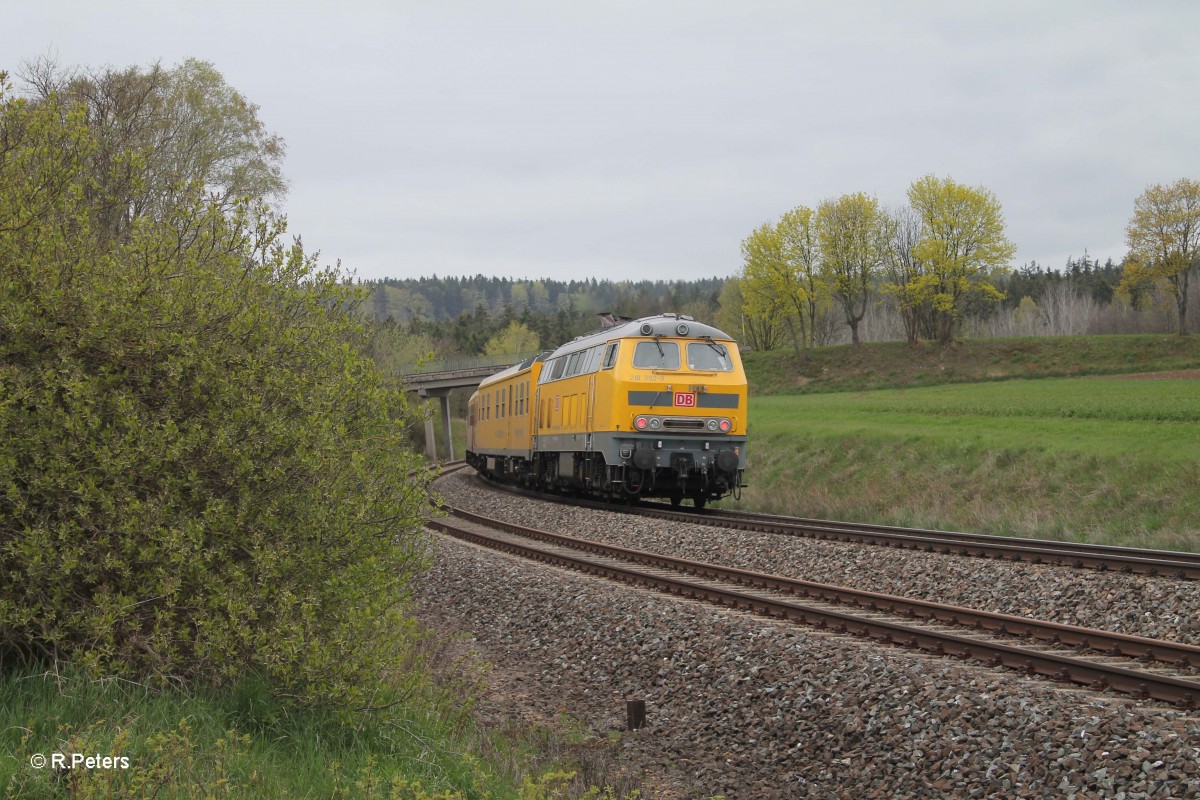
x: 202, y: 475
x: 963, y: 245
x: 752, y: 331
x: 1164, y: 241
x: 763, y: 270
x: 514, y: 340
x: 852, y: 235
x: 157, y: 132
x: 780, y: 275
x: 798, y: 231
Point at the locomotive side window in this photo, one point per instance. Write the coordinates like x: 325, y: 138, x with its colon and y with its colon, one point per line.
x: 610, y: 356
x: 708, y: 357
x: 593, y: 359
x: 656, y: 355
x: 560, y: 364
x: 573, y: 364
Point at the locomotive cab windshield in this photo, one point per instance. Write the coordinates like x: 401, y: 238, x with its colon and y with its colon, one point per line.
x: 708, y: 356
x: 656, y: 354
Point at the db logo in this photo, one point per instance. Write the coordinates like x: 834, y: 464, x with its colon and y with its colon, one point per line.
x: 685, y: 399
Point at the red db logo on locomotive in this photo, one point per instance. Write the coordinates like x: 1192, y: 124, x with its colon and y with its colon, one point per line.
x: 685, y: 399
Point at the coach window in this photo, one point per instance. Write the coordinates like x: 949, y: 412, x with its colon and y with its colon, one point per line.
x: 656, y: 355
x: 708, y: 357
x: 610, y: 356
x: 573, y: 365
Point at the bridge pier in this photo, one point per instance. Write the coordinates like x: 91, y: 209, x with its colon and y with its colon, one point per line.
x: 440, y: 381
x: 430, y: 439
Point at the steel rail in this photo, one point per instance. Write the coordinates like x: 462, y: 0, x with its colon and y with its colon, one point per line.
x: 1098, y: 675
x: 1172, y: 563
x: 1155, y: 563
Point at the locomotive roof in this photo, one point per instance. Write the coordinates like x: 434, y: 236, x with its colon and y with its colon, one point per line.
x: 657, y: 325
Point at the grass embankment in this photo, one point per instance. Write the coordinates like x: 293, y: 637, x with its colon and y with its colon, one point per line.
x: 245, y: 742
x: 896, y: 365
x: 1098, y: 459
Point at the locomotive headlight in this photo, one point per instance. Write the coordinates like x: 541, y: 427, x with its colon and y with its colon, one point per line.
x: 725, y: 426
x: 654, y: 423
x: 712, y: 424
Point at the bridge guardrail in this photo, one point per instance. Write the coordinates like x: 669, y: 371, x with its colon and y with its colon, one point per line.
x: 474, y: 362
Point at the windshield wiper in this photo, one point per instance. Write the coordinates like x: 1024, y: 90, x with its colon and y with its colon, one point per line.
x: 720, y: 348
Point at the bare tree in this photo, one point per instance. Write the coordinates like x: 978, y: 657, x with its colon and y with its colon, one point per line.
x: 904, y: 231
x: 1066, y: 310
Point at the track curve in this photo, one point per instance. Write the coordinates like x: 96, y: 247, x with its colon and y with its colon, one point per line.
x: 931, y: 627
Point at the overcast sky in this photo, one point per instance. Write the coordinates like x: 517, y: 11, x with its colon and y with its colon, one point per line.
x: 631, y: 140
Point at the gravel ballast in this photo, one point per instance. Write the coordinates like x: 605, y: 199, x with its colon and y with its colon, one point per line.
x: 751, y: 708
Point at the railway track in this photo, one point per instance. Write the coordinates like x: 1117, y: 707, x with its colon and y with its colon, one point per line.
x: 1158, y: 563
x: 1100, y: 660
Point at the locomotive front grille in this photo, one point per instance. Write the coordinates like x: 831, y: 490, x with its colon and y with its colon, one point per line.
x: 683, y: 424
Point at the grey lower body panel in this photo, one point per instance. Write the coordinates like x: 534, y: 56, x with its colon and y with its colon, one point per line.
x: 619, y: 447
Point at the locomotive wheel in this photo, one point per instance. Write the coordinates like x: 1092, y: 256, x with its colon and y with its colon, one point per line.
x: 676, y: 500
x: 699, y: 500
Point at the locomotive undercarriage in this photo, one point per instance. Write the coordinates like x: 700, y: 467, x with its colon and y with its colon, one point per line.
x: 639, y: 476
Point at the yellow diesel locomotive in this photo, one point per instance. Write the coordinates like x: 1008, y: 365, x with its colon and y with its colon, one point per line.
x: 653, y: 407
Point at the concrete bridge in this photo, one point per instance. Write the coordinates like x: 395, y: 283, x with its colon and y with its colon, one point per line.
x: 436, y: 379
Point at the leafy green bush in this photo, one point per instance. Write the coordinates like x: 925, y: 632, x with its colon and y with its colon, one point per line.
x: 200, y: 473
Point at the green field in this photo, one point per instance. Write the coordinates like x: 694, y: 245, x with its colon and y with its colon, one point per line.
x: 1109, y: 418
x: 1108, y: 460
